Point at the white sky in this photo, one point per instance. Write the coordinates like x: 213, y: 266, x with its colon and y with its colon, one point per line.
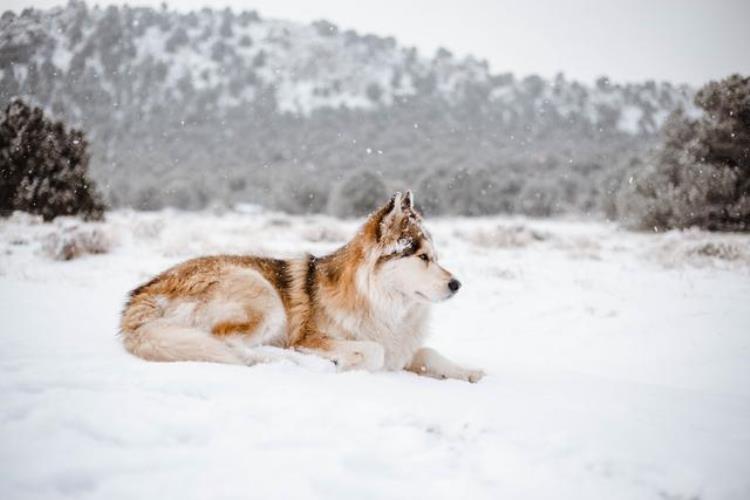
x: 688, y: 41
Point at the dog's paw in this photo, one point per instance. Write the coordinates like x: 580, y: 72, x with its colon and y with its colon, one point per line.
x: 471, y: 376
x: 475, y: 376
x: 311, y: 361
x: 374, y: 357
x: 369, y: 356
x: 316, y: 363
x: 346, y: 361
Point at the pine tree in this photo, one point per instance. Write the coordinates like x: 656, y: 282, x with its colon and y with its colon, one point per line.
x: 44, y: 167
x: 357, y: 195
x: 700, y: 176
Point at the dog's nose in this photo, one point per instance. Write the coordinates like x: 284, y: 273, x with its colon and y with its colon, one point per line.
x: 454, y: 285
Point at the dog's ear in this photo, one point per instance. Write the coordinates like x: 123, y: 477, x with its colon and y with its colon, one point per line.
x: 389, y: 217
x: 395, y: 206
x: 408, y: 201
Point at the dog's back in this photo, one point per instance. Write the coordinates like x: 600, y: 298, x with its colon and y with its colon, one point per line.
x: 200, y: 309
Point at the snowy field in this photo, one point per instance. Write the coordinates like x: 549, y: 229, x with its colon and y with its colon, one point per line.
x: 618, y: 367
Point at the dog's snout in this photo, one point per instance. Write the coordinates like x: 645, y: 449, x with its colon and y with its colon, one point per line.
x: 454, y: 285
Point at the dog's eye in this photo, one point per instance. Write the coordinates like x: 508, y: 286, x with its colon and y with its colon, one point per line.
x: 424, y: 257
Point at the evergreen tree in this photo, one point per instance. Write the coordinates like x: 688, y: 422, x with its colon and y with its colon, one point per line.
x: 44, y: 167
x: 700, y: 176
x: 357, y: 195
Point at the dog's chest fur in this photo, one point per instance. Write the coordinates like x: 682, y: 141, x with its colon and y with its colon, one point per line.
x: 401, y: 331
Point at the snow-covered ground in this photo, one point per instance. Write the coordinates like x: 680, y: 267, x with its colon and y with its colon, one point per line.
x: 618, y: 368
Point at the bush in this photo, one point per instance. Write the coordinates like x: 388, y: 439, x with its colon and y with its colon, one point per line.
x: 540, y: 197
x: 431, y: 190
x: 700, y: 176
x: 467, y: 192
x: 358, y: 195
x: 73, y: 242
x: 300, y: 194
x: 184, y: 195
x: 44, y: 167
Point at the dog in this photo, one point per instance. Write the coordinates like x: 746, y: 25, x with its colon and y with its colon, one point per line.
x: 364, y: 306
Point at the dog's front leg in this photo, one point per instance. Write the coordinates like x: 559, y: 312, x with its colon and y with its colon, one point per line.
x: 348, y: 354
x: 430, y: 363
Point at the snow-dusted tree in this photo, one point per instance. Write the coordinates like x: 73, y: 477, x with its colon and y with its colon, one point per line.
x: 300, y: 194
x: 44, y: 167
x: 468, y: 192
x: 540, y: 197
x: 358, y: 195
x: 227, y: 19
x: 178, y: 38
x: 431, y: 188
x: 700, y: 176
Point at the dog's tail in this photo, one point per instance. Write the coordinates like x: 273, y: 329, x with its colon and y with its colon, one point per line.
x: 146, y: 334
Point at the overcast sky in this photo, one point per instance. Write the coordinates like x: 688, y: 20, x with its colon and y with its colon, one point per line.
x: 688, y: 41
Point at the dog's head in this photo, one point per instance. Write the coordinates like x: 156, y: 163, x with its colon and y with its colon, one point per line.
x: 406, y: 260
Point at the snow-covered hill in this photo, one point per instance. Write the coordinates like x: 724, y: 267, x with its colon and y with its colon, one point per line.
x: 144, y: 57
x: 280, y: 109
x: 617, y: 368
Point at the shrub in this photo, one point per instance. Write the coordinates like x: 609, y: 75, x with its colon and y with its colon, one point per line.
x: 301, y: 194
x: 44, y: 167
x: 184, y: 195
x: 467, y: 192
x: 540, y: 197
x: 358, y: 195
x: 431, y: 189
x: 73, y: 242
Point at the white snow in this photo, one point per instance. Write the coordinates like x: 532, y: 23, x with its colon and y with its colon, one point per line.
x: 630, y: 119
x: 618, y: 367
x: 399, y: 246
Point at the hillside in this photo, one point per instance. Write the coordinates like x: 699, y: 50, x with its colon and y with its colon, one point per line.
x: 186, y: 108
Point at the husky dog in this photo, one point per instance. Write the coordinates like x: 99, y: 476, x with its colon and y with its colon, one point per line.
x: 365, y: 306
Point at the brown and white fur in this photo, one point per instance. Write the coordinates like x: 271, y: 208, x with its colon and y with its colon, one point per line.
x: 365, y: 306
